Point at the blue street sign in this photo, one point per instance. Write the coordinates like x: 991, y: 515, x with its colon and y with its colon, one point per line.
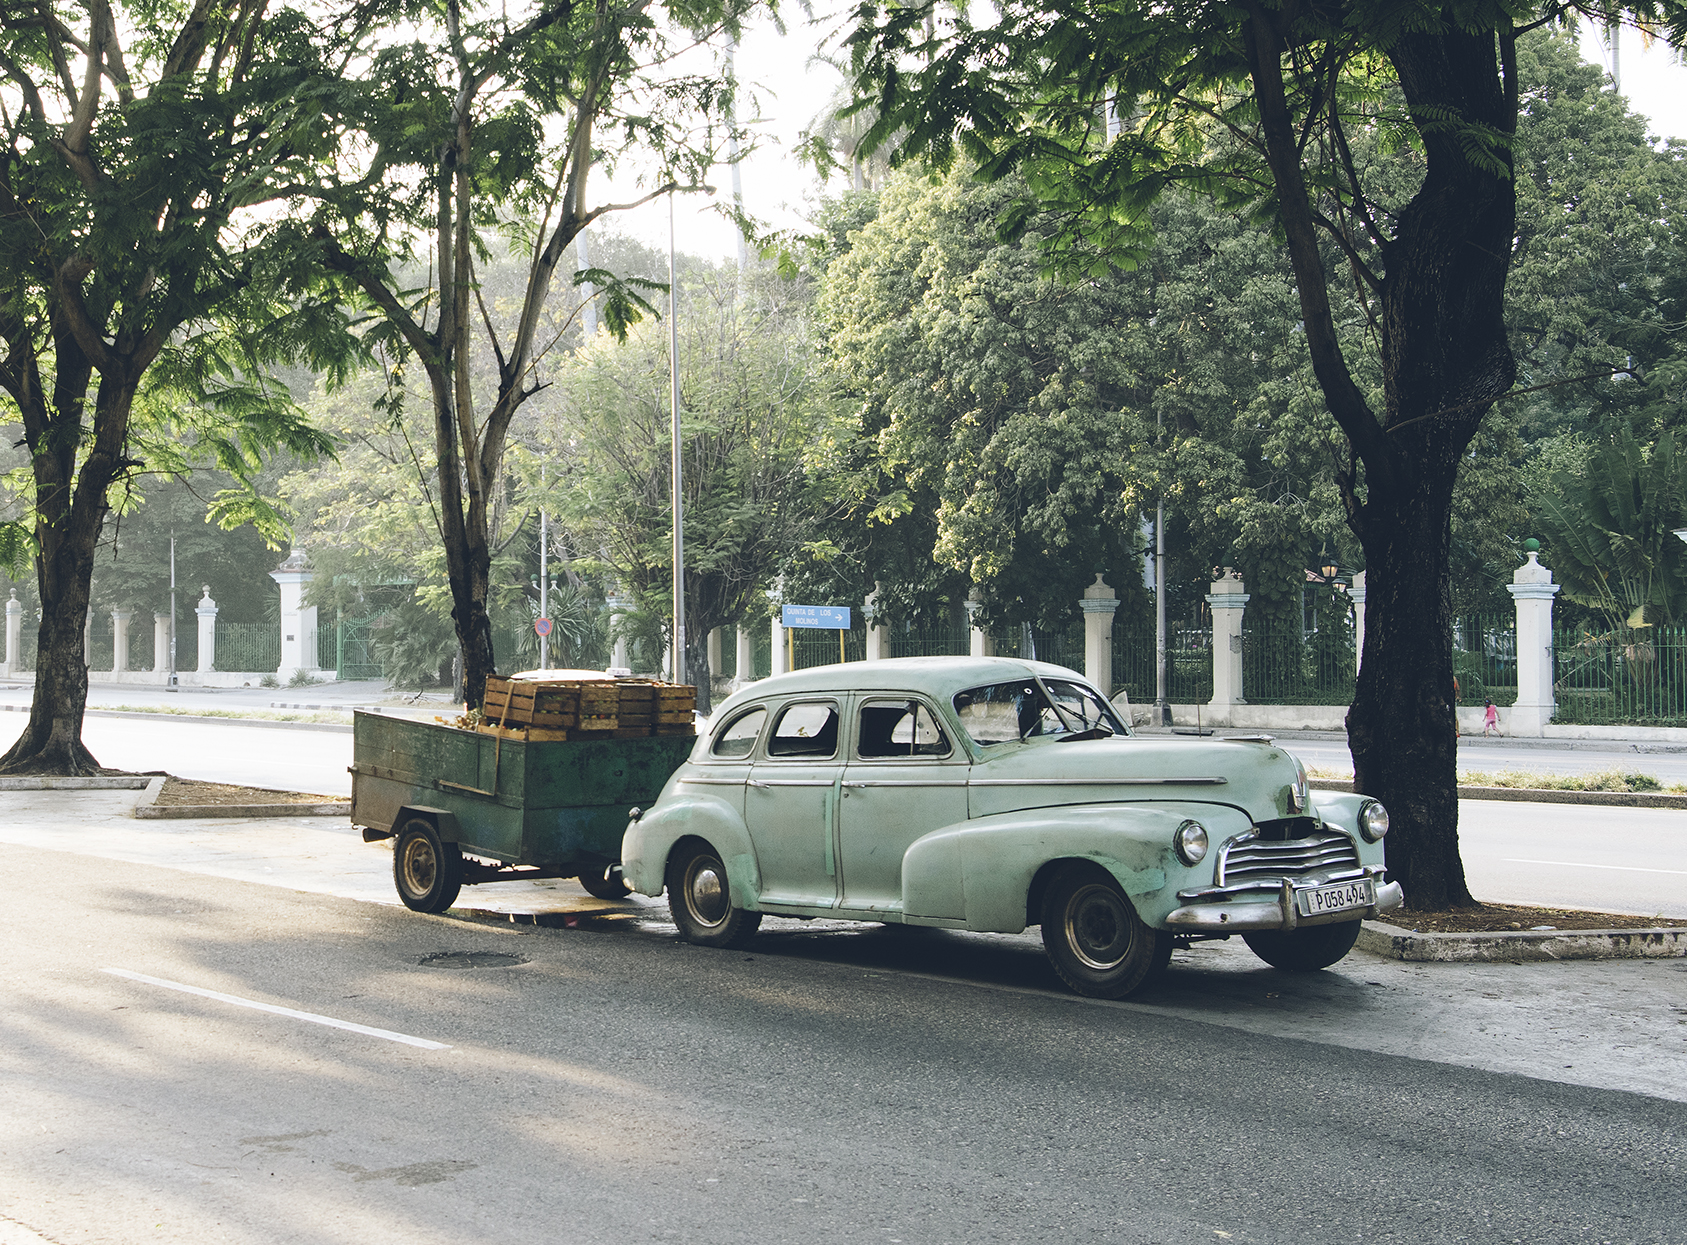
x: 824, y: 617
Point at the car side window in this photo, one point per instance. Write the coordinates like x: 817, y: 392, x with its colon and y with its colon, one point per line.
x: 737, y: 738
x: 807, y: 730
x: 899, y: 729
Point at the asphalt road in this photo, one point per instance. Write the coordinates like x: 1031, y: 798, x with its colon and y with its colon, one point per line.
x: 626, y: 1087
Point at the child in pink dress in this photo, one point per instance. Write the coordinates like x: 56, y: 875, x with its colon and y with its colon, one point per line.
x: 1491, y: 720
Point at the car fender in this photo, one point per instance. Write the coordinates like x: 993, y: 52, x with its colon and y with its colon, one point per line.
x: 650, y: 840
x: 1341, y: 810
x: 982, y: 871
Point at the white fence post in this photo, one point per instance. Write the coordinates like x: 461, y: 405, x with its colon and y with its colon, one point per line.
x: 1531, y: 587
x: 14, y: 634
x: 875, y: 647
x: 979, y: 639
x: 1227, y: 601
x: 207, y: 612
x: 120, y: 640
x: 1099, y: 604
x: 1357, y: 594
x: 161, y: 644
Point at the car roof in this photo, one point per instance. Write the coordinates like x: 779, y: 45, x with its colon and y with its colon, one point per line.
x: 939, y: 677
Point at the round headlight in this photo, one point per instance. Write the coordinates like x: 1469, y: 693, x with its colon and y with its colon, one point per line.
x: 1373, y: 821
x: 1190, y: 842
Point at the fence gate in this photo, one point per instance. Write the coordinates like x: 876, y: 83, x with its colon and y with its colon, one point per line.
x: 353, y: 656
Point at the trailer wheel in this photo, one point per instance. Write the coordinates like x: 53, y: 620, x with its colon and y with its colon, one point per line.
x: 427, y: 871
x: 606, y: 883
x: 700, y: 901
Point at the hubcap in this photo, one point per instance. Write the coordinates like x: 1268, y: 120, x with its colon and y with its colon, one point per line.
x: 1098, y: 929
x: 420, y: 865
x: 706, y: 890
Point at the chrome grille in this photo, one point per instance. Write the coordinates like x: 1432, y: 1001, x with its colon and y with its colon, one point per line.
x: 1257, y: 860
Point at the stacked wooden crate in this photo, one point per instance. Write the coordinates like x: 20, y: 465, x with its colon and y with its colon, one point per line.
x: 542, y: 710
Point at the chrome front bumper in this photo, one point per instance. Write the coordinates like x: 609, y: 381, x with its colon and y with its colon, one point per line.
x: 1220, y: 916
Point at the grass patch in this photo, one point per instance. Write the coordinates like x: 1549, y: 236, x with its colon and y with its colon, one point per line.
x: 1528, y: 780
x: 339, y: 718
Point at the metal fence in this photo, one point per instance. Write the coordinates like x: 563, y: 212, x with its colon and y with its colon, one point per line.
x: 952, y: 639
x: 347, y: 648
x: 1485, y: 658
x: 1631, y: 677
x: 811, y: 646
x: 1285, y: 666
x: 1189, y: 661
x: 248, y: 648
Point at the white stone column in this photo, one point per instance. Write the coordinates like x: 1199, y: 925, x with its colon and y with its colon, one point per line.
x: 207, y: 612
x: 618, y: 663
x: 1227, y: 601
x: 120, y: 640
x: 746, y: 650
x: 875, y: 633
x: 980, y: 643
x: 714, y: 653
x: 1099, y: 604
x: 88, y: 639
x: 781, y: 657
x: 298, y: 620
x: 161, y: 644
x: 14, y: 634
x: 1531, y: 587
x: 1357, y: 593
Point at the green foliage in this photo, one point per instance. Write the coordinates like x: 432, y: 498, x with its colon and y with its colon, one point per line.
x: 1609, y: 532
x: 747, y: 421
x: 414, y: 645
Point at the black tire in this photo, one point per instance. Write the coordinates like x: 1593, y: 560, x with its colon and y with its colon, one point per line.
x: 427, y: 871
x: 1093, y: 936
x: 701, y: 903
x: 606, y: 883
x: 1304, y: 950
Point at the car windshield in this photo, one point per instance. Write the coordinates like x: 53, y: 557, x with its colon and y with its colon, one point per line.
x: 1004, y: 712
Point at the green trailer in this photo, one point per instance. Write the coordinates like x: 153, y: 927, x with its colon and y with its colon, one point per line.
x: 467, y: 807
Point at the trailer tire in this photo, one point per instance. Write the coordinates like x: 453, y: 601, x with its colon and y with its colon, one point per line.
x: 701, y: 902
x: 606, y: 883
x: 427, y: 871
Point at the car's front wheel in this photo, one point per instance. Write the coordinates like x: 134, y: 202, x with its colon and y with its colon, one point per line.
x: 1304, y: 950
x: 701, y: 900
x: 1094, y: 938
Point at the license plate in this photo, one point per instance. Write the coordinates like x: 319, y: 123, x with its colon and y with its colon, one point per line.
x: 1338, y: 898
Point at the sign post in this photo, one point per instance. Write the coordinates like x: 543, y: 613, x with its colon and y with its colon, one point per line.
x: 815, y: 618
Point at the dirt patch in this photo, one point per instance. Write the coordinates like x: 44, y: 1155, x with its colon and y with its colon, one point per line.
x: 1506, y: 919
x: 184, y: 791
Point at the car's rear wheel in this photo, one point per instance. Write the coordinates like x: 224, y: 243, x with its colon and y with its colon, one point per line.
x: 701, y: 900
x: 1094, y: 938
x: 1304, y: 950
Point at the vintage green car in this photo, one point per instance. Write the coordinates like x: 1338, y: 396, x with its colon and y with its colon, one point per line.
x: 993, y: 794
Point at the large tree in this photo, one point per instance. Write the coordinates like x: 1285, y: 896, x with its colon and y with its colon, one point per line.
x: 142, y: 292
x: 1273, y: 107
x: 491, y: 121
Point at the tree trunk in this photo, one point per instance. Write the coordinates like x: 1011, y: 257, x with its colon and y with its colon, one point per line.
x: 1401, y: 727
x: 52, y: 741
x: 1445, y: 362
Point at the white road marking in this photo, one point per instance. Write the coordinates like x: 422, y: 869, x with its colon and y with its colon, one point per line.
x: 386, y: 1034
x: 1576, y: 864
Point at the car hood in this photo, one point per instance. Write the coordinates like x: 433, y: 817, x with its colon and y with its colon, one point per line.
x: 1261, y: 779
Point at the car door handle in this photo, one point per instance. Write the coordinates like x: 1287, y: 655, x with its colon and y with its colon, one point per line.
x: 765, y: 786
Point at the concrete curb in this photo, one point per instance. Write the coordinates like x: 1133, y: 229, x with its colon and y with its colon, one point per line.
x: 130, y: 782
x: 1520, y: 946
x: 147, y: 808
x: 344, y: 729
x: 1539, y: 795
